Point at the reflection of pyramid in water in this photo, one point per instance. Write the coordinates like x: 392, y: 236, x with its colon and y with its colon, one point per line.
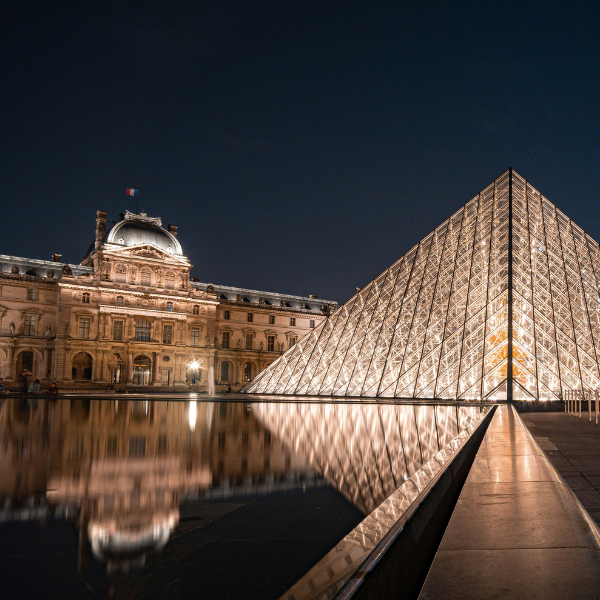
x: 444, y: 321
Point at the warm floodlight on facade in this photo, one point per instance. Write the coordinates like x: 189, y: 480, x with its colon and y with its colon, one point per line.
x: 501, y: 301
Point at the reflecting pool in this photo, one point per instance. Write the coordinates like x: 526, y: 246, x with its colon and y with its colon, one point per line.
x: 144, y: 498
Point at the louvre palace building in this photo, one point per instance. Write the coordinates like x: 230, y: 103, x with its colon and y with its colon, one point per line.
x: 129, y: 316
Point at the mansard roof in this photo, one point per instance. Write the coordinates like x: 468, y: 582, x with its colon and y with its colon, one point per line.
x: 232, y: 294
x: 39, y: 268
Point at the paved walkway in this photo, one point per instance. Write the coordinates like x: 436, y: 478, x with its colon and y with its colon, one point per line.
x: 517, y: 530
x: 573, y: 447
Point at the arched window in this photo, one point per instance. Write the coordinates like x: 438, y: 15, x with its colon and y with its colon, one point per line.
x: 85, y: 299
x: 170, y: 281
x: 142, y: 330
x: 224, y: 371
x: 121, y: 274
x: 145, y: 276
x: 196, y: 310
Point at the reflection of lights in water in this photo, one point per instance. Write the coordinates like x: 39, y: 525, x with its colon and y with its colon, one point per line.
x: 192, y: 415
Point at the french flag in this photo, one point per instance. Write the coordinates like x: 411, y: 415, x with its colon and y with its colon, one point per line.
x: 131, y: 192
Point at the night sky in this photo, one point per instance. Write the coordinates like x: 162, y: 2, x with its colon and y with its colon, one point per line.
x: 301, y: 147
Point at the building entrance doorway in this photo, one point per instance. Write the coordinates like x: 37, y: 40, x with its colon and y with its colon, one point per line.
x: 81, y: 369
x: 141, y: 370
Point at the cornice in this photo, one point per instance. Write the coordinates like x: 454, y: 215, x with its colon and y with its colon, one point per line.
x: 127, y: 311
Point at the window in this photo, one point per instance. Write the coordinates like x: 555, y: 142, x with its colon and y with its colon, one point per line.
x: 111, y: 446
x: 31, y: 294
x: 84, y: 328
x: 121, y: 275
x: 119, y: 300
x: 196, y: 310
x: 142, y: 330
x: 85, y: 298
x: 162, y: 443
x: 271, y: 319
x: 250, y: 317
x: 195, y: 336
x: 225, y: 339
x: 165, y: 377
x: 224, y: 371
x: 145, y: 276
x: 169, y: 306
x: 167, y: 334
x: 292, y: 321
x: 248, y: 371
x: 118, y: 331
x: 292, y: 342
x: 170, y: 281
x: 311, y: 324
x: 29, y: 325
x: 271, y: 343
x: 137, y: 446
x: 226, y: 315
x: 249, y: 337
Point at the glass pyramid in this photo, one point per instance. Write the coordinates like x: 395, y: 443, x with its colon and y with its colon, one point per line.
x: 501, y: 301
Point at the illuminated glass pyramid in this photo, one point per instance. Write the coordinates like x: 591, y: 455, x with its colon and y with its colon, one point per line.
x: 501, y: 301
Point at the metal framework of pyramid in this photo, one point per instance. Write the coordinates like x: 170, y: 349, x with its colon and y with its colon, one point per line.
x: 501, y: 301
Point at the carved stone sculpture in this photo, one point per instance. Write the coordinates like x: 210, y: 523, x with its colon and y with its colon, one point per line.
x: 11, y: 328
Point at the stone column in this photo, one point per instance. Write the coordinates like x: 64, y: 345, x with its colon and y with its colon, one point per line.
x: 129, y: 367
x: 101, y: 326
x: 10, y: 359
x: 155, y: 369
x: 99, y: 365
x: 46, y: 354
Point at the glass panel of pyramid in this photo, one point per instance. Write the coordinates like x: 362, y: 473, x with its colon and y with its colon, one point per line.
x: 501, y: 301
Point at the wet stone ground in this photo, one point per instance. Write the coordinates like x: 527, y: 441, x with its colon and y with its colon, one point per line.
x: 573, y: 446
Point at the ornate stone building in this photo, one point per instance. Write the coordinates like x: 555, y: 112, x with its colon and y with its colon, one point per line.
x: 129, y: 316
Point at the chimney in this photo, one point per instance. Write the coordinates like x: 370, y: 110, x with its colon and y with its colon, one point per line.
x: 100, y: 227
x: 172, y: 229
x: 56, y: 257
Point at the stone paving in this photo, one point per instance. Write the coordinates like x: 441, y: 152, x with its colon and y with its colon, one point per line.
x: 573, y: 447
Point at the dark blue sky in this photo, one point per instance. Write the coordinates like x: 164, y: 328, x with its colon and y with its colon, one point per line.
x: 300, y: 147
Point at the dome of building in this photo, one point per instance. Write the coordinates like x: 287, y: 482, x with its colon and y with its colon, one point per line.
x: 135, y: 230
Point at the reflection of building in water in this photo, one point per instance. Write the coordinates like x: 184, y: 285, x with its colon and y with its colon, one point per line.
x: 121, y: 468
x: 365, y: 451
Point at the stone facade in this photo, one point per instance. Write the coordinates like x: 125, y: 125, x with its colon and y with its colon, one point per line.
x: 129, y: 316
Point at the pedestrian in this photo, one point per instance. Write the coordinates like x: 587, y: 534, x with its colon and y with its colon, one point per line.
x: 34, y: 387
x: 53, y: 388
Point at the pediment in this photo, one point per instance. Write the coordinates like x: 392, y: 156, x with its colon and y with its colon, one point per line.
x: 149, y: 251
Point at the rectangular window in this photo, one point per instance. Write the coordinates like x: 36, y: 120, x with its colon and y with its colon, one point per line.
x: 169, y: 306
x: 225, y: 342
x: 169, y: 282
x: 111, y: 446
x: 165, y: 377
x: 271, y: 343
x: 195, y: 336
x: 250, y: 317
x: 162, y: 444
x: 145, y: 276
x: 312, y: 324
x: 271, y: 320
x: 292, y: 341
x: 167, y: 334
x: 249, y: 337
x: 137, y: 446
x: 119, y: 300
x: 85, y: 298
x: 118, y: 331
x: 121, y: 275
x: 292, y: 321
x: 29, y: 325
x: 227, y: 315
x: 31, y: 294
x: 84, y: 328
